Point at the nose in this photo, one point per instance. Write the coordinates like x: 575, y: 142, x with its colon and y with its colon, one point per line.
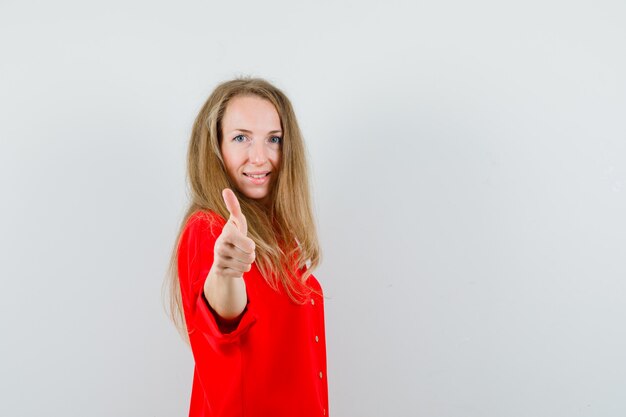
x: 258, y: 153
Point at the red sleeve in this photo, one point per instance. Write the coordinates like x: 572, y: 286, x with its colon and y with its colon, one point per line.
x: 195, y: 257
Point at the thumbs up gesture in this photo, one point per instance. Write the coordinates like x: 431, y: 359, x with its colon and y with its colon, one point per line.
x: 233, y: 254
x: 234, y: 250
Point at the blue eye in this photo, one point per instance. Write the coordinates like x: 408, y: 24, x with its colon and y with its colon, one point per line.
x: 276, y: 139
x: 239, y: 138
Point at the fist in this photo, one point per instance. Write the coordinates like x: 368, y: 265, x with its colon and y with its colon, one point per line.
x: 234, y: 250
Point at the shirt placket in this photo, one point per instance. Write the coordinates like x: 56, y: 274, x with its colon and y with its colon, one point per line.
x: 318, y: 347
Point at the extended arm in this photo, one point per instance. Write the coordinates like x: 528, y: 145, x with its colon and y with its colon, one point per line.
x: 224, y: 288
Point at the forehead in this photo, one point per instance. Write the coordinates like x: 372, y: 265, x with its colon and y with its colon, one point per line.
x: 251, y: 113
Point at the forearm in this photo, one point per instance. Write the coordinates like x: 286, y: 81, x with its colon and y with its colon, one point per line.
x: 226, y: 295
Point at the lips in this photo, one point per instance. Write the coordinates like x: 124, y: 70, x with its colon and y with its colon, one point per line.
x: 256, y: 175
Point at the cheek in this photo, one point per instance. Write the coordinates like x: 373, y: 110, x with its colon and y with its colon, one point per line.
x: 231, y: 160
x: 275, y: 158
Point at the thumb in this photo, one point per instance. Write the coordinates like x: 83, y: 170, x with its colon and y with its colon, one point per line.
x: 233, y: 207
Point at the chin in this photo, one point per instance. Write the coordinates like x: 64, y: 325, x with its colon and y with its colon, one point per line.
x: 255, y: 194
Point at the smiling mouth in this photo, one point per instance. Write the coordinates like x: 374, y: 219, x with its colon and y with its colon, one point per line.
x: 257, y: 176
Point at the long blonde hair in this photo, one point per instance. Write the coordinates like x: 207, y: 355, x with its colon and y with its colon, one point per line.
x: 274, y: 230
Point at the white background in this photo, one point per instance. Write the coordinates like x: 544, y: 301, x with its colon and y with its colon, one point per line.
x: 469, y: 173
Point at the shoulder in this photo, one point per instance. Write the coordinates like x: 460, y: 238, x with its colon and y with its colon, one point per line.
x: 205, y: 221
x: 314, y: 284
x: 201, y: 229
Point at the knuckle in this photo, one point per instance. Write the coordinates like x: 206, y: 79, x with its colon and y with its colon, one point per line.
x: 226, y: 235
x: 221, y: 251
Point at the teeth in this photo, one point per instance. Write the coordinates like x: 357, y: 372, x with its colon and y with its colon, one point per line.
x: 257, y: 176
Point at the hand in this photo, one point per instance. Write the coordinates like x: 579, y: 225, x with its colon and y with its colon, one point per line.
x: 234, y: 250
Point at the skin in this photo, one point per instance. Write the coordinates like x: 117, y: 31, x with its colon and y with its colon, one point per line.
x: 251, y: 145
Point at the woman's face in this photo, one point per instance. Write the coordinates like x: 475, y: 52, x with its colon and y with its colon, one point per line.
x: 251, y: 145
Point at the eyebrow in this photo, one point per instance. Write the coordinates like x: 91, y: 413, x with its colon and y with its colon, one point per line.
x: 248, y: 131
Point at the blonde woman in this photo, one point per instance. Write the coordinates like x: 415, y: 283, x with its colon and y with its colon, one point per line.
x: 241, y: 287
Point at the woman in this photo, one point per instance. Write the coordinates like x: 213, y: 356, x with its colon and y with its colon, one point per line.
x: 241, y: 284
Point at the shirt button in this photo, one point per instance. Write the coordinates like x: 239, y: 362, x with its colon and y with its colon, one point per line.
x: 324, y: 411
x: 317, y: 339
x: 312, y: 302
x: 321, y: 375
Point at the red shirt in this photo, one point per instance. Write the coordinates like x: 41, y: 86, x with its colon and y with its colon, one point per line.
x: 273, y: 363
